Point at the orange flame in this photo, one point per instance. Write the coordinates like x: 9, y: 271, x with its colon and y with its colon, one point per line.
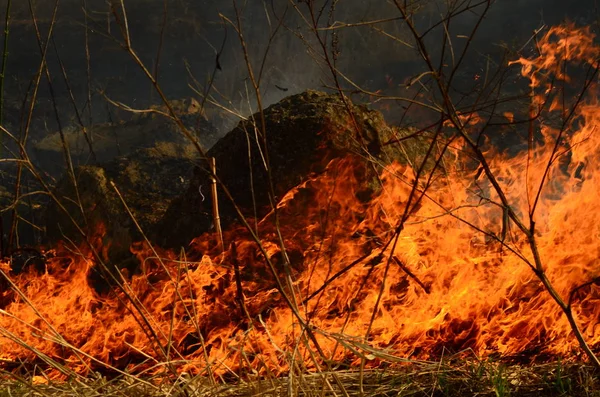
x: 445, y: 283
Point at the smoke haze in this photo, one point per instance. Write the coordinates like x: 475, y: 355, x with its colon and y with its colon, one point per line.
x: 183, y: 38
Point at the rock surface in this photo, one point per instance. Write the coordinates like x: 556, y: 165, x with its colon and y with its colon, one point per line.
x: 304, y: 132
x: 148, y: 180
x: 167, y: 189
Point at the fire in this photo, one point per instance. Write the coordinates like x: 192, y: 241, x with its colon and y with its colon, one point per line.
x: 454, y: 278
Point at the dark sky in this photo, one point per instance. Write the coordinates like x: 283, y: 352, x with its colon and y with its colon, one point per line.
x: 194, y: 32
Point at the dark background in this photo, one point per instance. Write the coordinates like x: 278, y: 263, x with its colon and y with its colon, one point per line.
x: 194, y: 32
x: 185, y: 37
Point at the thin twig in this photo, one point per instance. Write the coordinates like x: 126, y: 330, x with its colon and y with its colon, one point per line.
x: 215, y: 203
x: 4, y: 63
x: 241, y: 299
x: 411, y: 275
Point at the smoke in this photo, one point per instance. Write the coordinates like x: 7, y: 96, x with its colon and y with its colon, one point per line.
x: 188, y: 39
x: 192, y: 44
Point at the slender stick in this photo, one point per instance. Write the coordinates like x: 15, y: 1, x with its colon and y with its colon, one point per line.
x: 238, y: 283
x: 4, y: 59
x: 215, y: 201
x: 4, y: 66
x: 2, y: 246
x: 411, y: 274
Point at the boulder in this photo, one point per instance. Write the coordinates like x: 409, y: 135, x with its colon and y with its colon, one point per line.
x: 167, y: 189
x: 304, y: 132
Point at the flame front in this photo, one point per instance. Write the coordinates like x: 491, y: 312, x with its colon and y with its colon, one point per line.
x: 455, y: 276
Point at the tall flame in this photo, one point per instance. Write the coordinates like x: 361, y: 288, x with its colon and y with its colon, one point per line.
x: 454, y: 278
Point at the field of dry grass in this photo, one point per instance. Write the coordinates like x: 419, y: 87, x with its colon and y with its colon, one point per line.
x: 455, y: 378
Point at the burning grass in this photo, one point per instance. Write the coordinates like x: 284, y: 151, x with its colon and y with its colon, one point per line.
x: 471, y: 250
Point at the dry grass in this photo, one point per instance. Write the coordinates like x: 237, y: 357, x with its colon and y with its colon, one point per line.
x: 464, y: 377
x: 449, y: 377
